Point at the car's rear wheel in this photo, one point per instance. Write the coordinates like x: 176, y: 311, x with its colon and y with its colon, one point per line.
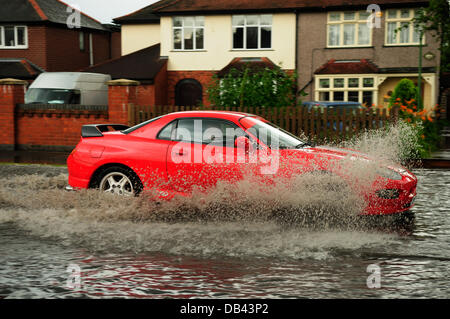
x: 119, y: 181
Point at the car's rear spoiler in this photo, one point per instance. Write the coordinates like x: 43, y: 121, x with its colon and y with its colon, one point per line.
x: 96, y: 130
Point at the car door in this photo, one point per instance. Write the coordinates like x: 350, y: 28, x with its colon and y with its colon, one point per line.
x: 203, y: 153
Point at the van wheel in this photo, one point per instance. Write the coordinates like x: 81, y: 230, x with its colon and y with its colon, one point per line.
x: 119, y: 181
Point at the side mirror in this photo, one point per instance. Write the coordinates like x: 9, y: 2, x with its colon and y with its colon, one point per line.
x: 243, y: 143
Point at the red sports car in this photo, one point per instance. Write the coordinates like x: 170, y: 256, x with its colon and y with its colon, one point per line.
x: 175, y: 153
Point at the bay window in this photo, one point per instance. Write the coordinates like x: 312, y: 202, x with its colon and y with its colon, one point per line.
x: 346, y: 88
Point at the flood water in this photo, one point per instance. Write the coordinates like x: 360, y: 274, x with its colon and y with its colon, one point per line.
x: 44, y: 231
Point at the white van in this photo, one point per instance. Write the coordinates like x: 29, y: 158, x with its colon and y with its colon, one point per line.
x: 69, y: 88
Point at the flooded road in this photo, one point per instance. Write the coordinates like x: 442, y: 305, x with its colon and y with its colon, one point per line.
x: 47, y: 233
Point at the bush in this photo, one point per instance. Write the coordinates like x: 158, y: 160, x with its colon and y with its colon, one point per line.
x: 263, y: 88
x: 426, y: 123
x: 405, y: 93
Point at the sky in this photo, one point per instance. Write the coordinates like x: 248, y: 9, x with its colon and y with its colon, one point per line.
x: 106, y: 10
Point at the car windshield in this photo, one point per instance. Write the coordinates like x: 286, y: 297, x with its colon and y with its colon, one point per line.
x: 52, y: 96
x: 272, y: 135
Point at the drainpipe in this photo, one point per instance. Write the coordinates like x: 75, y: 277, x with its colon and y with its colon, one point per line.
x: 419, y: 80
x: 296, y: 54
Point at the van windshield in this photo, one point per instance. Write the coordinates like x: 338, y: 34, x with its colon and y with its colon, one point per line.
x: 52, y: 96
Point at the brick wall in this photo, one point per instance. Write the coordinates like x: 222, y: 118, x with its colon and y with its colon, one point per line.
x: 55, y: 130
x: 56, y: 48
x: 37, y: 47
x: 11, y: 93
x: 63, y: 49
x: 204, y: 77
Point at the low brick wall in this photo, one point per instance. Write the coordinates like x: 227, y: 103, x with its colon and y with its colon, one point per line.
x: 56, y: 127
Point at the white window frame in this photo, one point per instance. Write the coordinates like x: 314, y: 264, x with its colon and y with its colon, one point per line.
x: 245, y: 26
x: 358, y: 20
x: 2, y: 37
x: 398, y: 20
x: 182, y: 27
x: 360, y: 89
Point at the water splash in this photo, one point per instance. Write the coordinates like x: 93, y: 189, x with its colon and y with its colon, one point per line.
x: 308, y: 218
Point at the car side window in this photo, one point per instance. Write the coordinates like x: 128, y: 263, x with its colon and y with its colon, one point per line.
x: 207, y: 131
x: 166, y: 133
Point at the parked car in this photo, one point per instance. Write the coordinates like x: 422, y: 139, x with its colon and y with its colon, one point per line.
x: 334, y: 106
x: 69, y: 88
x: 160, y: 155
x: 337, y: 109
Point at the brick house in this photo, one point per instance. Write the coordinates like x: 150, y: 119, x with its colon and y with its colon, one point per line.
x: 337, y: 56
x: 35, y: 37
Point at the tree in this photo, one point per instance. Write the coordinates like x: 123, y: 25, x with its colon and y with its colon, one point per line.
x: 405, y: 93
x: 436, y: 18
x: 263, y: 88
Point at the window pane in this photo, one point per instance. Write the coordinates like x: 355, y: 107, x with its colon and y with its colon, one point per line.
x: 335, y: 16
x: 1, y: 36
x: 368, y: 82
x: 392, y: 14
x: 349, y: 15
x: 391, y: 37
x: 334, y: 35
x: 188, y: 21
x: 238, y: 38
x: 353, y: 83
x: 252, y: 37
x: 368, y: 97
x: 199, y: 39
x: 404, y: 13
x: 324, y: 83
x: 188, y: 38
x: 238, y: 20
x: 252, y: 20
x: 363, y: 34
x: 266, y: 37
x: 404, y: 33
x: 199, y: 21
x: 324, y: 96
x: 177, y: 22
x: 338, y: 96
x: 177, y: 39
x: 166, y: 133
x: 349, y: 34
x: 21, y: 35
x: 338, y: 83
x: 185, y: 131
x: 266, y: 19
x: 364, y: 15
x: 353, y: 96
x: 416, y: 36
x: 9, y: 37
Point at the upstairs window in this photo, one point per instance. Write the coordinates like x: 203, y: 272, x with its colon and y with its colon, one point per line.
x: 252, y: 32
x: 13, y: 37
x: 348, y: 29
x: 399, y: 27
x: 188, y: 33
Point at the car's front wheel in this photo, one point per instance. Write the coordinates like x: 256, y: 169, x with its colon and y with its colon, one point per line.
x: 119, y: 181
